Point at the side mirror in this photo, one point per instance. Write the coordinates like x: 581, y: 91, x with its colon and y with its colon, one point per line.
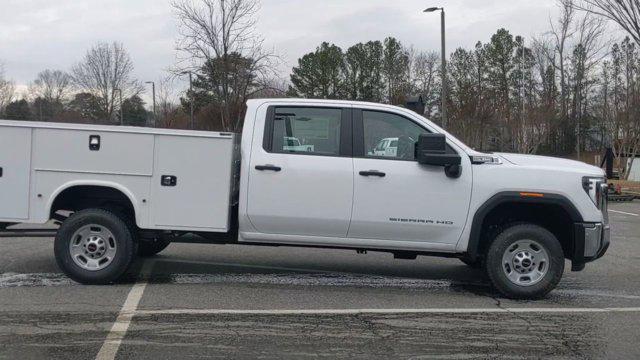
x: 431, y: 149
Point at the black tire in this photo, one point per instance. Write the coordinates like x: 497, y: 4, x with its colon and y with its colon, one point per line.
x: 148, y: 248
x: 506, y: 240
x: 125, y: 246
x: 474, y: 264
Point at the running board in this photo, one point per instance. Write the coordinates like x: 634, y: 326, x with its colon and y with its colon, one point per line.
x: 27, y: 233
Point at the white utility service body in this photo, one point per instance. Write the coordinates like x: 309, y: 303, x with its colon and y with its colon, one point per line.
x: 331, y: 190
x: 42, y: 160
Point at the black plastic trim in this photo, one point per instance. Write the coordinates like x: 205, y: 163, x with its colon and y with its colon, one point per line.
x: 268, y: 168
x: 577, y: 255
x: 267, y: 140
x: 578, y: 259
x: 358, y: 134
x: 514, y: 197
x: 372, y: 173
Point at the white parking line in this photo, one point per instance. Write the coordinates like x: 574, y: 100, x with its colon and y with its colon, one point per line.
x: 119, y: 329
x: 622, y: 212
x: 385, y: 311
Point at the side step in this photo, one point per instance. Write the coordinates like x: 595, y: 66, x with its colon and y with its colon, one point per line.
x: 405, y: 255
x: 27, y: 233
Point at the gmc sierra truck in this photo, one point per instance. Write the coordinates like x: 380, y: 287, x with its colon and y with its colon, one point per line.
x: 121, y: 192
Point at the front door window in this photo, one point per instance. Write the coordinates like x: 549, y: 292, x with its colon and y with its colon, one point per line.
x: 389, y: 136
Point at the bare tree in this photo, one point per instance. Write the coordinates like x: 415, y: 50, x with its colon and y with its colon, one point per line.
x: 52, y: 85
x: 424, y: 74
x: 561, y: 33
x: 105, y: 70
x: 7, y: 90
x: 587, y: 54
x: 167, y: 104
x: 625, y: 13
x: 218, y: 40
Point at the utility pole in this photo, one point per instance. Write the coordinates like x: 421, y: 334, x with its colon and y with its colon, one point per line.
x: 191, y: 97
x: 121, y: 110
x: 443, y: 62
x: 153, y: 90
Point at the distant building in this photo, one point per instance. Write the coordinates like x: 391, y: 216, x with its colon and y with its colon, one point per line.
x: 416, y: 103
x: 634, y: 174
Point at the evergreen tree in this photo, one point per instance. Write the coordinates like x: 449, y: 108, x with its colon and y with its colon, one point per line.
x: 320, y: 74
x: 134, y: 112
x: 363, y: 69
x: 18, y: 110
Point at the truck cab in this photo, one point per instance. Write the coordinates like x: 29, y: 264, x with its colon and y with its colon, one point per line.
x: 335, y: 174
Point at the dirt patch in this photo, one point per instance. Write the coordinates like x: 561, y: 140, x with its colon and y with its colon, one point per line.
x: 627, y: 186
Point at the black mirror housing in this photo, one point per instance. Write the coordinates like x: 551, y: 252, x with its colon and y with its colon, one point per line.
x: 431, y: 149
x: 432, y: 143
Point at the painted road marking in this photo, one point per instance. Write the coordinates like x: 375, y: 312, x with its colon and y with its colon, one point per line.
x: 119, y: 329
x: 386, y: 311
x: 622, y: 212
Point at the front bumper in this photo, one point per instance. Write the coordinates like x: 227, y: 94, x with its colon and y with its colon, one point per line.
x: 591, y: 241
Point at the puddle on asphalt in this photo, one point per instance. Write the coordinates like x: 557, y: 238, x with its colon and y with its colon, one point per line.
x: 33, y: 280
x: 310, y: 279
x: 10, y: 280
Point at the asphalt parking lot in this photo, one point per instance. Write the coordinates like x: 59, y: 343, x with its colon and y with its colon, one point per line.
x: 254, y: 302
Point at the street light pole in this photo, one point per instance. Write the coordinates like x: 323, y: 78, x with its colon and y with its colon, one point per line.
x: 153, y: 90
x: 443, y: 62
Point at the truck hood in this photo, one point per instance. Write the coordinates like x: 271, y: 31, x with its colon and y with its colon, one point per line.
x: 552, y: 163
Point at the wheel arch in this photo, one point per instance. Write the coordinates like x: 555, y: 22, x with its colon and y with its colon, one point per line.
x: 557, y: 203
x: 126, y: 196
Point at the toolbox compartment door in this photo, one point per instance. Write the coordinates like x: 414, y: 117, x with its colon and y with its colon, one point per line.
x: 192, y: 183
x: 15, y: 162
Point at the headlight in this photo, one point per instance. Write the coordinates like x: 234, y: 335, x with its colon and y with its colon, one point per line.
x: 596, y: 188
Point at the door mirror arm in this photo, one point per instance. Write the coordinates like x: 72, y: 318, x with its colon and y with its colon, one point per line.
x: 453, y: 171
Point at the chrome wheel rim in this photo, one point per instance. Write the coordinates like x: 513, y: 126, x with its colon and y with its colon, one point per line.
x: 525, y: 262
x: 93, y: 247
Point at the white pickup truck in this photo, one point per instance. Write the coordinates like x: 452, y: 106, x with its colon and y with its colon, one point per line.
x: 118, y: 192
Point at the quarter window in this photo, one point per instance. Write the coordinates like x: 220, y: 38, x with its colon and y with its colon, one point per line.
x: 306, y: 130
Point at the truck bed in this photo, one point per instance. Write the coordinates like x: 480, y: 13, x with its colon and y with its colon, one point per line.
x: 175, y: 179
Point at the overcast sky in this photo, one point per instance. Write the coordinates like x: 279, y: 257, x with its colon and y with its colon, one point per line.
x: 41, y: 34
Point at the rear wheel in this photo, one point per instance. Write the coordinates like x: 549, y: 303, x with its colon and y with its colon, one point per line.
x: 525, y: 261
x: 152, y: 247
x: 94, y: 246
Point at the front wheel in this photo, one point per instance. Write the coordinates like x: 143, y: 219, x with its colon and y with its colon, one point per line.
x: 525, y: 261
x: 94, y: 246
